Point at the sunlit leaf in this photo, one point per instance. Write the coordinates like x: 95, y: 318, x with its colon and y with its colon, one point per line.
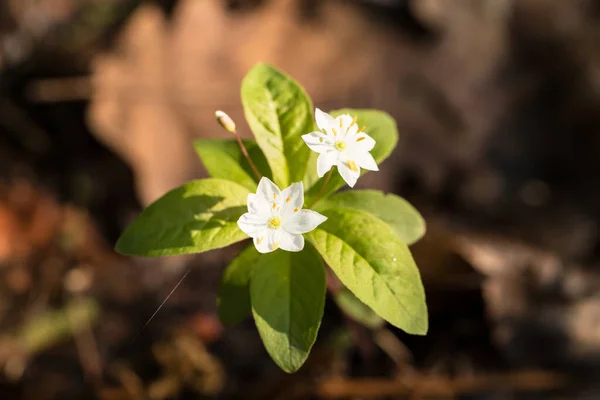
x: 393, y: 210
x: 224, y: 159
x: 279, y: 112
x: 287, y: 292
x: 375, y: 264
x: 198, y: 216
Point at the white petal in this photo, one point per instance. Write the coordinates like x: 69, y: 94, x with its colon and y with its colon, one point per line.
x: 326, y: 161
x: 318, y: 142
x: 252, y: 224
x: 303, y: 221
x: 347, y: 174
x: 362, y: 141
x: 268, y: 190
x: 258, y: 205
x: 292, y: 198
x: 351, y: 132
x: 268, y: 241
x: 291, y: 242
x: 346, y: 120
x: 261, y: 244
x: 365, y: 160
x: 324, y: 120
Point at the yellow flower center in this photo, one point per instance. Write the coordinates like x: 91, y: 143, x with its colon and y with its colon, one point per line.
x: 274, y: 223
x: 340, y: 145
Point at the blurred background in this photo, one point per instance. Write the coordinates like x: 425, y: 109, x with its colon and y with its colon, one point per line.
x: 498, y: 108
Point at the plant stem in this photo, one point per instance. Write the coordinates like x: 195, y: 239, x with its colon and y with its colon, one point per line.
x: 322, y: 188
x: 245, y: 152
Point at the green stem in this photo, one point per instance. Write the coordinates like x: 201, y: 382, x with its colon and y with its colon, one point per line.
x: 245, y: 152
x: 322, y: 188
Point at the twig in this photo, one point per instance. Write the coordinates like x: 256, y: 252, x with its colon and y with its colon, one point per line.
x: 162, y: 304
x: 440, y: 386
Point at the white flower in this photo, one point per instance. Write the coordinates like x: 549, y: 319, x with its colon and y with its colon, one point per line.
x: 343, y: 144
x: 275, y: 218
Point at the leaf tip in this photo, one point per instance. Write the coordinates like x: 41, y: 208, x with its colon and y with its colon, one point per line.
x: 122, y: 245
x: 420, y: 326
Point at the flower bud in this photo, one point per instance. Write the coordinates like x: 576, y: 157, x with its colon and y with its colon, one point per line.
x: 225, y: 121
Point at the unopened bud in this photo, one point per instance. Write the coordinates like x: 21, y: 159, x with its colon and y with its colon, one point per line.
x: 225, y: 121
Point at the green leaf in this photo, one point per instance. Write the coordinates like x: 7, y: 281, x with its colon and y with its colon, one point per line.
x: 198, y: 216
x: 287, y: 292
x: 391, y: 209
x: 224, y: 159
x: 233, y: 300
x: 279, y: 112
x: 375, y: 264
x: 356, y: 309
x: 379, y: 125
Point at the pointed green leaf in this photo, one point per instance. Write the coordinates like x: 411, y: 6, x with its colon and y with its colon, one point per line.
x: 391, y: 209
x: 198, y: 216
x: 357, y: 310
x: 287, y: 292
x: 224, y: 159
x: 279, y: 112
x: 233, y: 300
x: 379, y: 125
x: 375, y: 264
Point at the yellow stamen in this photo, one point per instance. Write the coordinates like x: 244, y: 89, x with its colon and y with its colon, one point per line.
x: 260, y: 240
x: 361, y: 129
x: 296, y: 209
x: 288, y: 199
x: 352, y: 165
x: 340, y: 122
x: 274, y: 196
x: 275, y: 245
x: 360, y: 138
x: 274, y: 205
x: 354, y: 120
x: 334, y: 131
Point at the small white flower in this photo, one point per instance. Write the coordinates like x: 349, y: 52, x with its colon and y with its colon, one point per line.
x: 275, y: 218
x: 343, y: 144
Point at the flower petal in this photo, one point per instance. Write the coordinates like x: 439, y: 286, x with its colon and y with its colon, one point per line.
x: 365, y: 160
x: 326, y: 161
x: 292, y: 198
x: 318, y: 142
x: 258, y: 205
x: 261, y: 244
x: 324, y: 121
x: 361, y: 141
x: 268, y: 241
x: 252, y: 224
x: 303, y: 221
x: 350, y: 175
x: 351, y: 132
x: 268, y: 190
x: 291, y: 242
x: 345, y: 124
